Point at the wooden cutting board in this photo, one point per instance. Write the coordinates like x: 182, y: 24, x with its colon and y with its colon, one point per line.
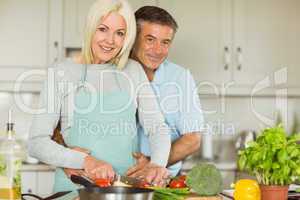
x: 197, y: 197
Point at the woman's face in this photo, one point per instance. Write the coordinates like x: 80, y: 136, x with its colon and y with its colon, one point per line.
x: 109, y: 38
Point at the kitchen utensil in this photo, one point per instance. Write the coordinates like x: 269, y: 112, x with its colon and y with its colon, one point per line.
x: 93, y: 192
x: 244, y: 138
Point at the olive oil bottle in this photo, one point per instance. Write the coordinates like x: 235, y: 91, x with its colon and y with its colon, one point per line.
x: 12, y: 152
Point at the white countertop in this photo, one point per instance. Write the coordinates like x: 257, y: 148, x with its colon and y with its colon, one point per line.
x: 37, y: 167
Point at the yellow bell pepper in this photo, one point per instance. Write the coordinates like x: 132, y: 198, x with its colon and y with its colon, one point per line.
x: 246, y: 189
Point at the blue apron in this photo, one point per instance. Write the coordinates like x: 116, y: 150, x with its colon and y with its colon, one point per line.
x: 108, y: 131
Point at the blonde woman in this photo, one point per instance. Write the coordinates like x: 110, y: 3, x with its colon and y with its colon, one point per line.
x: 97, y: 97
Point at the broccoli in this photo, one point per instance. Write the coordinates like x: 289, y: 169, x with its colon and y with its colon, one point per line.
x: 205, y: 179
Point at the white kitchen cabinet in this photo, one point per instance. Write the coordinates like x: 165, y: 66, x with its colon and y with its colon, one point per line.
x: 267, y: 34
x: 29, y: 182
x: 37, y: 179
x: 203, y: 34
x: 30, y: 38
x: 75, y: 13
x: 24, y: 33
x: 260, y: 37
x: 45, y: 181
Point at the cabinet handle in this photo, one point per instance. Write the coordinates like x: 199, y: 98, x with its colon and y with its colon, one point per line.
x: 227, y: 58
x: 57, y: 51
x: 239, y: 58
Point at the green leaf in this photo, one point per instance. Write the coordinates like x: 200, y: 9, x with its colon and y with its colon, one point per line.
x: 282, y: 156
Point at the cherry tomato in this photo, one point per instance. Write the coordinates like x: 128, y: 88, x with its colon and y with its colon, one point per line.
x: 182, y: 177
x: 177, y: 183
x: 101, y: 182
x: 144, y: 184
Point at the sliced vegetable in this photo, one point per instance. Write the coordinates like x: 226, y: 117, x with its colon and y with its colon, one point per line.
x: 177, y: 183
x: 169, y: 193
x: 101, y: 182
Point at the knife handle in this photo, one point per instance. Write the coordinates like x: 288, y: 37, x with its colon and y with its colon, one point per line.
x: 82, y: 181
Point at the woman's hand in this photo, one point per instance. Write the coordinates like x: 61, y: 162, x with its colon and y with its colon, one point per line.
x: 78, y: 172
x: 96, y: 169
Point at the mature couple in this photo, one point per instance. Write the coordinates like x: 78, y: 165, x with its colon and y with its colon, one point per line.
x: 158, y: 100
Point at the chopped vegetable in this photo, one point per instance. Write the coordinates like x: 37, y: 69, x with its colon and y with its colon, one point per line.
x: 176, y: 183
x: 101, y: 182
x: 205, y: 180
x: 169, y: 193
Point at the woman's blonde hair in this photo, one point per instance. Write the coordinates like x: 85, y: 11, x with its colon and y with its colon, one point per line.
x: 97, y: 12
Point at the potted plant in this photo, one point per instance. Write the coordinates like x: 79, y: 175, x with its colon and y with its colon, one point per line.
x: 274, y: 159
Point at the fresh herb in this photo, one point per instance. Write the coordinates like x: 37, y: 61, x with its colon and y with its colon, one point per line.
x: 205, y: 179
x: 274, y: 158
x: 169, y: 193
x: 2, y: 166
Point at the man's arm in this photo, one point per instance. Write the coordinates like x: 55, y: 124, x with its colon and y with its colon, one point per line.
x: 184, y: 146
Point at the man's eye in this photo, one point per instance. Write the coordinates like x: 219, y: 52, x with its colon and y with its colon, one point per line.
x: 166, y: 43
x: 149, y: 39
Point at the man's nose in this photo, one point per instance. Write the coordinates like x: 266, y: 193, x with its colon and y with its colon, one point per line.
x: 157, y: 48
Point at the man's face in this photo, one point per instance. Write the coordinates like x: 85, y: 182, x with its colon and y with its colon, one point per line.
x: 152, y: 44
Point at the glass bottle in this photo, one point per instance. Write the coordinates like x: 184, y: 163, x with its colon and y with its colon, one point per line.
x: 12, y: 152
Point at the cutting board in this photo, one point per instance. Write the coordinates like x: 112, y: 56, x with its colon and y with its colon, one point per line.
x: 197, y: 197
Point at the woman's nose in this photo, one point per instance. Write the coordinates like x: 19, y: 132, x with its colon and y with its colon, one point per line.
x: 110, y: 38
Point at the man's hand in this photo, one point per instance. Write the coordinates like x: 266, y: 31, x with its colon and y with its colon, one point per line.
x: 78, y: 172
x: 151, y: 173
x: 141, y: 162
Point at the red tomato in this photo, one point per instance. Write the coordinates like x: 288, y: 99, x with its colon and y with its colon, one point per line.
x: 177, y: 183
x: 182, y: 177
x: 144, y: 184
x: 101, y: 182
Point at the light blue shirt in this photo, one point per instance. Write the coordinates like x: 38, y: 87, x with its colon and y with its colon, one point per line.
x: 178, y: 98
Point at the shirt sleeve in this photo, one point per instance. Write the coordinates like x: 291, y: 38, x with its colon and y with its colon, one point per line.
x: 153, y: 121
x: 190, y: 112
x: 40, y: 144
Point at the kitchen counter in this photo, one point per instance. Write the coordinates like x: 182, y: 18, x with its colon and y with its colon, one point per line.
x: 36, y: 167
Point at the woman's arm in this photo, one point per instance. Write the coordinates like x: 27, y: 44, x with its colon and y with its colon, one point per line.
x: 153, y: 121
x: 40, y: 144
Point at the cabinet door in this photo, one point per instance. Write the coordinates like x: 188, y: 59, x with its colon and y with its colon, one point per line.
x: 203, y: 34
x: 135, y: 4
x: 45, y: 183
x: 29, y: 182
x: 24, y: 33
x: 75, y: 13
x: 267, y: 35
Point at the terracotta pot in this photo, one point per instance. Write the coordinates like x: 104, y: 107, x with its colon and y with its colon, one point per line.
x: 274, y: 192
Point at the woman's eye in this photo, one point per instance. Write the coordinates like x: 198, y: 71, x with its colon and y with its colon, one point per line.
x: 102, y: 29
x: 120, y: 33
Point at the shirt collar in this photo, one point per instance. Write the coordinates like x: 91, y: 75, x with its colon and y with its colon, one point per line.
x: 159, y: 74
